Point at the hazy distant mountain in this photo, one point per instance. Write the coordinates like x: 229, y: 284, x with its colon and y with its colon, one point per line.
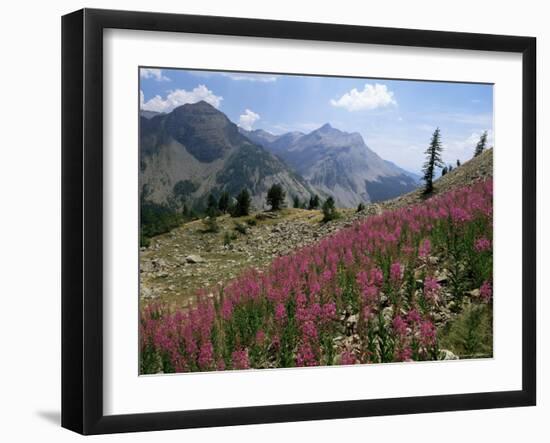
x: 338, y: 163
x: 413, y: 175
x: 148, y: 114
x: 196, y: 150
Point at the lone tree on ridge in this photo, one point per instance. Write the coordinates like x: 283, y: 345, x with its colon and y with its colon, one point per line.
x: 433, y: 160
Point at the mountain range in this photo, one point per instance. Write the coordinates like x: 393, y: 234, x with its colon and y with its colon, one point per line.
x: 339, y: 164
x: 195, y: 150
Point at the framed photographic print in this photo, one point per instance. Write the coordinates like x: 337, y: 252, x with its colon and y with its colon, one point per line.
x: 269, y: 221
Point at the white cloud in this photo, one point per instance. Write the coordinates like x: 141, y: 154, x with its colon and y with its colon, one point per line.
x: 371, y: 97
x: 153, y: 73
x: 180, y: 97
x: 247, y: 120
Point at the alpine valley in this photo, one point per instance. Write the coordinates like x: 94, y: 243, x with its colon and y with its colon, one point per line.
x: 195, y: 151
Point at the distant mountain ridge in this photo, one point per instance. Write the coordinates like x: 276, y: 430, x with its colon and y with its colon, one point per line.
x: 339, y: 164
x: 195, y: 150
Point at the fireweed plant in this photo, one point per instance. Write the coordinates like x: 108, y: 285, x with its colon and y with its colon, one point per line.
x: 370, y: 293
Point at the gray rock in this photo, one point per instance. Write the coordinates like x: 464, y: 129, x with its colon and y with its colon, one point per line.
x: 193, y: 259
x: 445, y: 354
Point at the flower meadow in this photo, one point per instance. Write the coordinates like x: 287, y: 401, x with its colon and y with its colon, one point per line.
x: 369, y: 293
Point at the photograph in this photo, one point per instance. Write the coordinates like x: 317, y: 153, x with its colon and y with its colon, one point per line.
x: 291, y: 220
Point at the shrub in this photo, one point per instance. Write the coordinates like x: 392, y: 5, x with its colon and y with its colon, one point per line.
x: 211, y: 225
x: 360, y: 207
x: 228, y: 238
x: 241, y: 227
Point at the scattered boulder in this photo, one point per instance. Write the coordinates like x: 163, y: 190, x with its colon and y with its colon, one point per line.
x: 194, y: 259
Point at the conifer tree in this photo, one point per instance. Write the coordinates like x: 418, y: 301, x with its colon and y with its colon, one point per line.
x: 242, y: 207
x: 275, y: 197
x: 212, y: 206
x: 433, y: 160
x: 314, y: 202
x: 223, y: 202
x: 329, y: 210
x: 480, y: 147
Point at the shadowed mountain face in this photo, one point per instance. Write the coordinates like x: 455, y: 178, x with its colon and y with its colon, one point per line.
x: 195, y: 150
x: 339, y: 164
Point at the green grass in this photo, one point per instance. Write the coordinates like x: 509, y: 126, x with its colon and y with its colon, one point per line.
x: 470, y: 334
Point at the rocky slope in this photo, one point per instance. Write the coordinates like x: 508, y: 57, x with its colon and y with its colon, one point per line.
x: 338, y: 164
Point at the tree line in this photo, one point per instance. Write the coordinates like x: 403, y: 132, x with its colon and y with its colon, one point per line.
x: 241, y: 204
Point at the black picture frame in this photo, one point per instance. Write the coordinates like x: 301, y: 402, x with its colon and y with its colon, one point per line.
x: 82, y: 218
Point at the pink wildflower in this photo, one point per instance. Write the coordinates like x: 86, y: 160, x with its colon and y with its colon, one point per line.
x: 424, y: 248
x: 309, y: 330
x: 371, y: 295
x: 399, y: 326
x: 413, y: 317
x: 367, y: 313
x: 227, y: 309
x: 240, y: 359
x: 301, y: 299
x: 280, y: 312
x: 315, y: 310
x: 362, y: 280
x: 260, y: 337
x: 404, y: 354
x: 329, y: 311
x: 486, y: 291
x: 395, y: 273
x: 220, y: 366
x: 431, y: 289
x: 347, y: 358
x: 206, y: 355
x: 305, y: 356
x: 377, y: 276
x: 427, y: 333
x: 482, y: 244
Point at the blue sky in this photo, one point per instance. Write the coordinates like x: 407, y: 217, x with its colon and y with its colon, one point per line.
x: 395, y: 117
